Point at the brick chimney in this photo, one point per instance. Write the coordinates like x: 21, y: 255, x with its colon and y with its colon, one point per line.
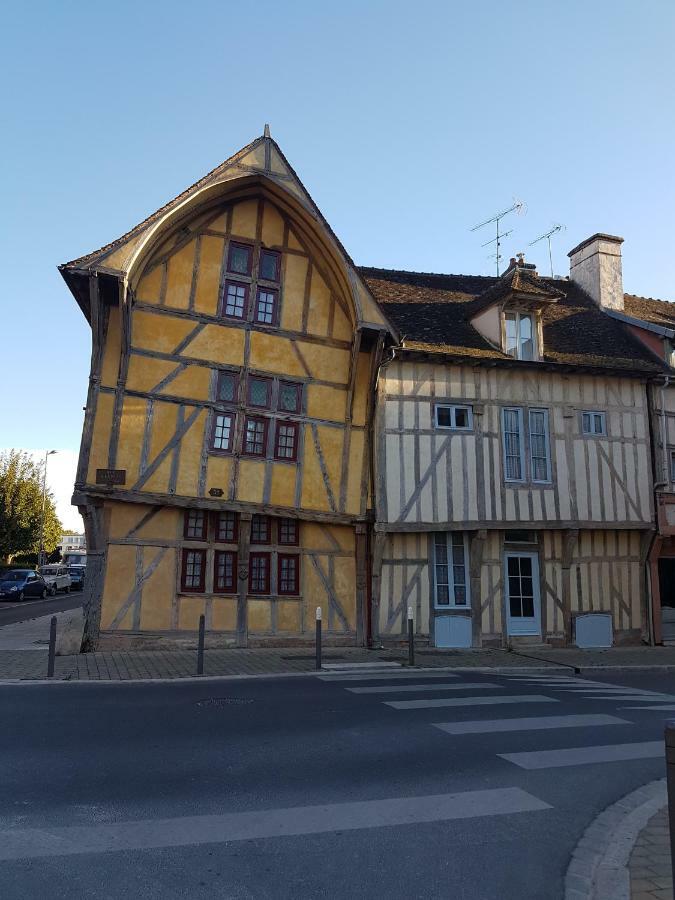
x: 595, y: 265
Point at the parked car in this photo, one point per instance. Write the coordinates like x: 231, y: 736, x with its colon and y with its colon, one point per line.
x: 17, y: 584
x: 57, y: 578
x: 76, y: 577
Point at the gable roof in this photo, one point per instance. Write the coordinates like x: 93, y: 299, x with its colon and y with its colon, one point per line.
x: 433, y: 312
x: 658, y: 312
x: 262, y: 159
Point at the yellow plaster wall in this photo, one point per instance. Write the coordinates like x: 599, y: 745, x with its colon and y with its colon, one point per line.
x: 224, y: 614
x: 159, y: 590
x: 118, y: 585
x: 100, y: 442
x: 217, y: 344
x: 208, y: 277
x: 132, y: 427
x: 146, y: 372
x: 111, y: 353
x: 152, y: 331
x: 251, y: 481
x: 189, y: 465
x: 179, y: 277
x: 244, y: 217
x: 273, y: 227
x: 295, y: 278
x: 150, y: 285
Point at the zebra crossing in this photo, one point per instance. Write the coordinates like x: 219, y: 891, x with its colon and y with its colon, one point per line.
x: 535, y: 692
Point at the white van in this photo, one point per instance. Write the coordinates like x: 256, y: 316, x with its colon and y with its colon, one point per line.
x: 57, y: 578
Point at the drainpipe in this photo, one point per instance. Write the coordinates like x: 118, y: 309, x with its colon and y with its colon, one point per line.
x: 664, y: 436
x: 653, y: 584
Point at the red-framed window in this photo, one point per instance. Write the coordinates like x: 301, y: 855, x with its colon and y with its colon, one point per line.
x: 259, y: 573
x: 261, y: 530
x: 266, y: 305
x: 290, y: 397
x: 235, y: 300
x: 286, y: 441
x: 259, y: 391
x: 225, y: 572
x: 227, y: 527
x: 193, y: 570
x: 255, y: 436
x: 289, y: 573
x: 222, y: 434
x: 270, y: 265
x: 289, y: 531
x: 195, y: 525
x: 226, y: 389
x: 239, y: 258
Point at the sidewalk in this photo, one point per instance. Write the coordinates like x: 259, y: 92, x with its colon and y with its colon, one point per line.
x: 23, y: 657
x: 651, y: 876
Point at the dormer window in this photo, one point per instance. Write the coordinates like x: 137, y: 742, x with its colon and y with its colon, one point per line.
x: 520, y: 335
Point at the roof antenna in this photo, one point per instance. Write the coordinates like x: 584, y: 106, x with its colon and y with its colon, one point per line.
x: 266, y: 132
x: 548, y: 236
x: 519, y: 207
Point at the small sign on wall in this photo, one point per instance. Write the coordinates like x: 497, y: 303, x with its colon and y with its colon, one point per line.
x: 111, y: 476
x: 216, y: 492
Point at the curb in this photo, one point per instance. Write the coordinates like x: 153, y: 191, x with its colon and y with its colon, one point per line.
x: 598, y: 869
x: 482, y: 670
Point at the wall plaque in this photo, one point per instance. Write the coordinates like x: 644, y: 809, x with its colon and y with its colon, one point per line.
x: 216, y: 492
x: 111, y: 476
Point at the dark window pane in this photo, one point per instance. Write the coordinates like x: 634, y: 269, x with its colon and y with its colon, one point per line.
x: 513, y: 565
x: 269, y: 265
x: 289, y: 397
x: 260, y: 530
x: 461, y: 418
x: 227, y: 527
x: 442, y: 595
x: 526, y: 566
x: 288, y: 531
x: 288, y: 574
x: 515, y: 607
x: 224, y: 572
x: 254, y: 438
x: 240, y: 259
x: 227, y: 387
x: 259, y: 392
x: 460, y: 595
x: 444, y: 416
x: 528, y: 607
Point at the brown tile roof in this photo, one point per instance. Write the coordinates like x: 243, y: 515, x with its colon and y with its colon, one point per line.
x: 659, y: 312
x: 432, y: 312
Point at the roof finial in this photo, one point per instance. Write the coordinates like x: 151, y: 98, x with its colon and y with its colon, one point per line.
x: 266, y: 132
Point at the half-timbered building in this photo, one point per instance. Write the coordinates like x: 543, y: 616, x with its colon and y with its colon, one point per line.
x: 225, y: 459
x: 514, y: 478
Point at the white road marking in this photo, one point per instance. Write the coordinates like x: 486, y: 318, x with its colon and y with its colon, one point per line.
x: 388, y: 676
x: 184, y: 831
x: 582, y: 756
x: 395, y: 688
x: 654, y: 699
x: 662, y: 707
x: 347, y: 666
x: 529, y: 723
x: 467, y: 701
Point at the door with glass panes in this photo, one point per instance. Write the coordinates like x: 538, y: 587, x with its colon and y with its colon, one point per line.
x: 451, y: 590
x: 523, y: 602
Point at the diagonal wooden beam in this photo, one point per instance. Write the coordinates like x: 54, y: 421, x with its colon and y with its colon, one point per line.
x: 135, y: 595
x: 187, y: 339
x: 333, y: 602
x: 178, y: 434
x: 181, y: 367
x: 618, y: 480
x: 412, y: 499
x: 322, y: 466
x: 401, y: 605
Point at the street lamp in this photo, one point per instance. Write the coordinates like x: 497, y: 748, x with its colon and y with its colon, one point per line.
x: 41, y: 553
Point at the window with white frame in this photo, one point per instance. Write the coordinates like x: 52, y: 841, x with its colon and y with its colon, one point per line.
x: 593, y: 422
x: 458, y: 418
x: 514, y: 444
x: 540, y: 455
x: 451, y: 583
x: 520, y: 335
x: 516, y: 438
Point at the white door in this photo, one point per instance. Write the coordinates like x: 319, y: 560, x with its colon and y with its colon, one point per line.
x: 523, y: 602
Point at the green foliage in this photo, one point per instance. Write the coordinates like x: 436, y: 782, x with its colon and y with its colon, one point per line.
x: 21, y: 507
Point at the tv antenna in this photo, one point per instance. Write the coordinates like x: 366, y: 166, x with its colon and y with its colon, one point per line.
x: 519, y: 207
x: 548, y: 236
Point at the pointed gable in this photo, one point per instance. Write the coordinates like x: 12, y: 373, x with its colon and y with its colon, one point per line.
x: 262, y: 162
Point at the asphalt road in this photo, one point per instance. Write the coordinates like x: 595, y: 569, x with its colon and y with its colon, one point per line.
x: 10, y: 612
x: 305, y: 788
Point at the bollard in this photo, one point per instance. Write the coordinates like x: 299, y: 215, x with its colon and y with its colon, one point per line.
x: 670, y: 773
x: 52, y: 648
x: 318, y: 637
x: 200, y: 646
x: 411, y: 638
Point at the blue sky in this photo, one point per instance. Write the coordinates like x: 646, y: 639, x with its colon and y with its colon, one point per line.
x: 408, y: 123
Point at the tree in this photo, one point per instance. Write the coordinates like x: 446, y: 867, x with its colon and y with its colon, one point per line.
x: 21, y: 507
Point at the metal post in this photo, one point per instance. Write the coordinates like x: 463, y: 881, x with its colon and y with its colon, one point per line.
x: 52, y: 648
x: 411, y: 638
x: 670, y: 773
x: 318, y: 637
x: 200, y: 646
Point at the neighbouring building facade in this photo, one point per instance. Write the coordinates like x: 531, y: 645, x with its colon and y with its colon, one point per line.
x: 270, y: 429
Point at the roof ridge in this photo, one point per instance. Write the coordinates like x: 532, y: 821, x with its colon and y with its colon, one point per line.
x: 425, y: 274
x: 651, y: 299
